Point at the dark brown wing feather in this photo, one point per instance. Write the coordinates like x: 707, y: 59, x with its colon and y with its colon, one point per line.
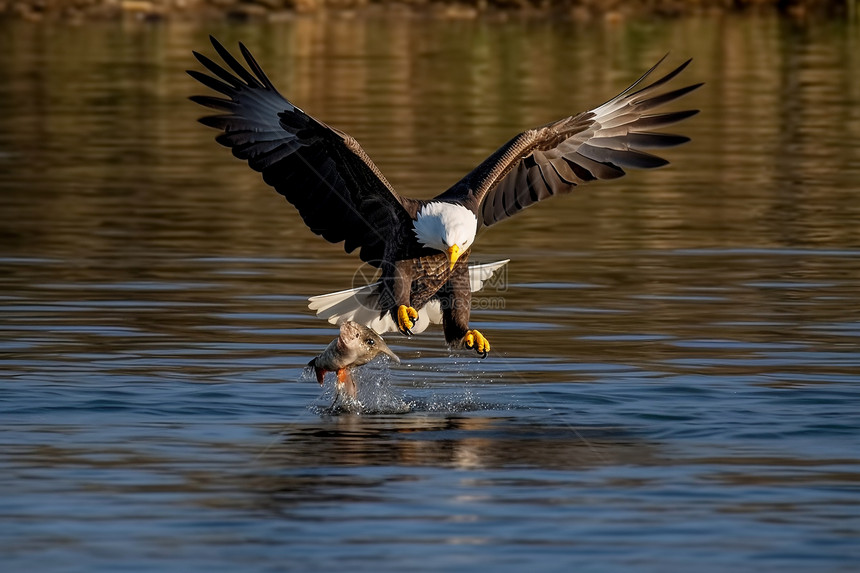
x: 555, y: 158
x: 338, y: 191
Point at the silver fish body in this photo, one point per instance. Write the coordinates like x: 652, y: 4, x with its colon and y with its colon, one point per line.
x: 355, y: 346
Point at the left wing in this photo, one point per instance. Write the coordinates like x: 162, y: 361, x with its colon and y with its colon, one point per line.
x: 555, y: 158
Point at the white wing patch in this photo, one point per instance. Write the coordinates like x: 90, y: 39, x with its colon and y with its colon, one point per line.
x: 481, y: 273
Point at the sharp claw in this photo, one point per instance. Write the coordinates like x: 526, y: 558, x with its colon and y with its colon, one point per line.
x: 474, y: 340
x: 406, y: 319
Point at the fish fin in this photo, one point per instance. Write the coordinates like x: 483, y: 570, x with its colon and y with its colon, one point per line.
x: 345, y: 383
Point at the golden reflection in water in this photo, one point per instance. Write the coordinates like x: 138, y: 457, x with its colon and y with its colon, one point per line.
x: 428, y: 99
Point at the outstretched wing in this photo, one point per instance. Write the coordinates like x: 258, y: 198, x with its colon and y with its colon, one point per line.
x: 338, y: 191
x: 555, y: 158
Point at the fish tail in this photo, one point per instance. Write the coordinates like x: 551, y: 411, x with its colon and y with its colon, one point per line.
x: 320, y: 373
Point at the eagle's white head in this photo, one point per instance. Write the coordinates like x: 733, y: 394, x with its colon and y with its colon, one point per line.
x: 447, y: 227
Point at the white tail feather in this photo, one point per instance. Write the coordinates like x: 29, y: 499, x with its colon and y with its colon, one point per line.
x: 361, y: 304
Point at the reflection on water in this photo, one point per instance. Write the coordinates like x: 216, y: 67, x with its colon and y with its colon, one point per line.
x: 472, y: 442
x: 675, y: 376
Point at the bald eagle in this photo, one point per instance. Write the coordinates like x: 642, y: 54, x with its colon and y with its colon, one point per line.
x: 422, y: 247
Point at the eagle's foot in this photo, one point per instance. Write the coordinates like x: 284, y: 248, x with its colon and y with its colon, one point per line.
x: 406, y: 319
x: 474, y: 339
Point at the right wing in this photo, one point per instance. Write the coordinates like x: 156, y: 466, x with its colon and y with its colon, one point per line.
x: 338, y: 191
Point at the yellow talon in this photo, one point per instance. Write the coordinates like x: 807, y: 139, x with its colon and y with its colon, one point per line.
x: 474, y: 339
x: 406, y: 319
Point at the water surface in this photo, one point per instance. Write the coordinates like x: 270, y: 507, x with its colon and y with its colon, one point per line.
x: 674, y: 381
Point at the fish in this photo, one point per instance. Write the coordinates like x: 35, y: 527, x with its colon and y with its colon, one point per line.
x: 355, y: 346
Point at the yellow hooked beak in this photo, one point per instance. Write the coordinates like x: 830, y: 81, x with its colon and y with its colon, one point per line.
x: 453, y: 255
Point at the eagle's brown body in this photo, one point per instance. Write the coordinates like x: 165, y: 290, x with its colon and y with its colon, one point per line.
x: 414, y: 282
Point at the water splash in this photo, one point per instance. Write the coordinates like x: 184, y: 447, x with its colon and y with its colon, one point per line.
x: 375, y: 393
x: 378, y: 396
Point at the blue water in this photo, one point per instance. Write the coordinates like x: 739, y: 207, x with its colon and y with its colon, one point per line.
x: 676, y: 356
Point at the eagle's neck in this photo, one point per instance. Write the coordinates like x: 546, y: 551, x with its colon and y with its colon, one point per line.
x: 441, y: 225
